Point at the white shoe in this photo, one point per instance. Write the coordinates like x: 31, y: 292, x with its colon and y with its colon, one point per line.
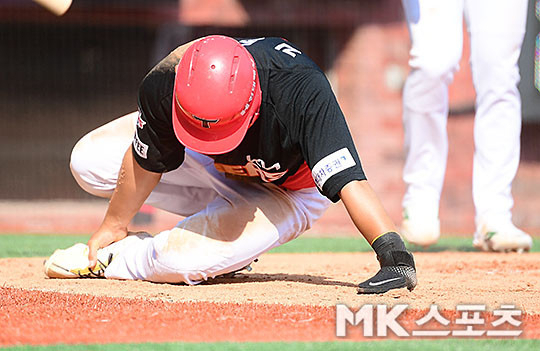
x: 420, y: 229
x: 501, y: 238
x: 73, y: 261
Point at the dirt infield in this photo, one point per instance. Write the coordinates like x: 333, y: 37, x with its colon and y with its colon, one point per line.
x: 285, y: 297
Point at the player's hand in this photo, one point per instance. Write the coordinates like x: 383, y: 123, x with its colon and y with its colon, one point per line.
x: 102, y: 238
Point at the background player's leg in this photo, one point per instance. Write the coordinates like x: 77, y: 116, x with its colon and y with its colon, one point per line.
x: 497, y: 28
x: 436, y: 46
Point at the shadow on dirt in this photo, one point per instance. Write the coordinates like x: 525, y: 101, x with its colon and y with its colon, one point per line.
x: 283, y: 277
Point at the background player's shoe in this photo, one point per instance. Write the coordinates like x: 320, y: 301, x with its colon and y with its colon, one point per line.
x: 73, y: 261
x: 420, y: 228
x: 502, y: 238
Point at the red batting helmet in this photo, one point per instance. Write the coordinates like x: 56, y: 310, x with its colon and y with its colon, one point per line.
x: 216, y: 95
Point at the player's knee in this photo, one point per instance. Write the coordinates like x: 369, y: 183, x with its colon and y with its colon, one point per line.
x: 78, y: 163
x: 436, y: 68
x: 83, y: 165
x: 499, y: 79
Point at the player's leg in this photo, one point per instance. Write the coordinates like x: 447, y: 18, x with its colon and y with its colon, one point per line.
x: 435, y: 28
x: 242, y: 223
x: 96, y: 160
x: 497, y: 28
x: 223, y: 237
x: 97, y: 156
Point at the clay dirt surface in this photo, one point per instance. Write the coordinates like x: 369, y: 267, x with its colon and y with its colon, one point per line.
x: 287, y: 297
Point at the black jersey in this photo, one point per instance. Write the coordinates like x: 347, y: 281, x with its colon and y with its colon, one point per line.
x: 300, y: 138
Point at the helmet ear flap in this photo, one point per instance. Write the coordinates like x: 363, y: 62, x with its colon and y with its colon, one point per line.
x: 216, y: 95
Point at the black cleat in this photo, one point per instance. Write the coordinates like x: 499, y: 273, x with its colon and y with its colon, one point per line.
x: 388, y: 278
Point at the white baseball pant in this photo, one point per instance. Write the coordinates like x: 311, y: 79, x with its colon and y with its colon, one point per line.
x: 496, y: 29
x: 228, y: 223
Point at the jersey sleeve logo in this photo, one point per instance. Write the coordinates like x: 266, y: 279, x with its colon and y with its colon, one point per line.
x: 331, y: 165
x: 140, y: 121
x: 140, y: 148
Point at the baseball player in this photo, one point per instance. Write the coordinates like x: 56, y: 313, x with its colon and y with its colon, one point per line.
x: 496, y: 29
x: 247, y: 141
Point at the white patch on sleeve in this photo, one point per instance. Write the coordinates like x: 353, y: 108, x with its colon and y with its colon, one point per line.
x: 140, y: 148
x: 332, y: 165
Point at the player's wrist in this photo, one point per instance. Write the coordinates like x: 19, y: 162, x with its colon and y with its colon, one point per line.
x: 391, y: 250
x: 114, y: 225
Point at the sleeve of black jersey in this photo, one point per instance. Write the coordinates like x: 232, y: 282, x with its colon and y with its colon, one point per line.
x: 324, y: 136
x: 155, y: 145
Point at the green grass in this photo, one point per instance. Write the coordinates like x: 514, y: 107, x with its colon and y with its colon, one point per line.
x: 390, y: 345
x: 358, y: 244
x: 31, y: 245
x: 338, y: 244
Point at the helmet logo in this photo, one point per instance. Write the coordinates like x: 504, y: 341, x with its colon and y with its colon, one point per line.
x: 205, y: 122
